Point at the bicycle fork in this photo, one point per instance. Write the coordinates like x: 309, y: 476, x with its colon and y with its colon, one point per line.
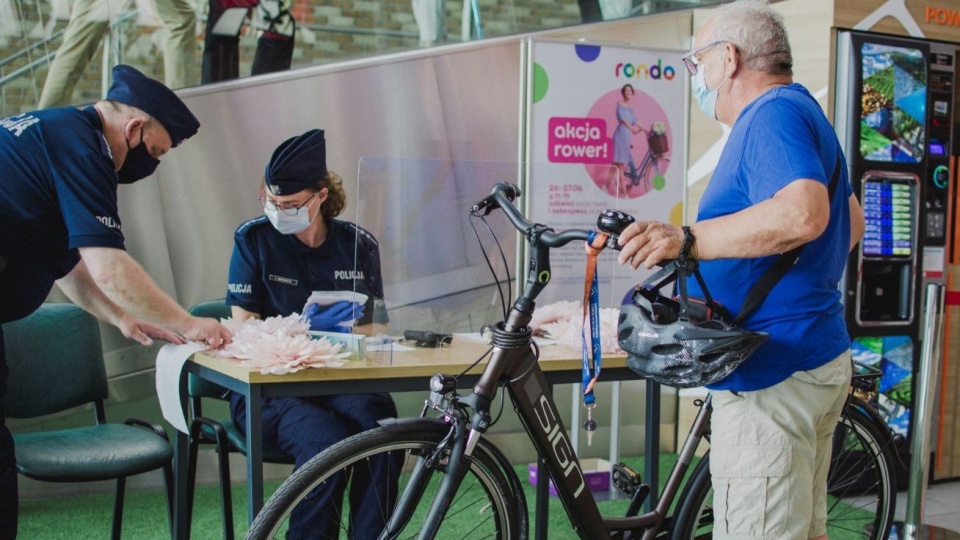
x: 450, y: 458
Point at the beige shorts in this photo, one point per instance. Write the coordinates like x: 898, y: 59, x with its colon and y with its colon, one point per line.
x: 770, y: 454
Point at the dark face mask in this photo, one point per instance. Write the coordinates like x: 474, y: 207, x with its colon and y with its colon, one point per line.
x: 138, y: 165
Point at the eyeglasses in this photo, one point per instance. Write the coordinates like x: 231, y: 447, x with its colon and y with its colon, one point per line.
x: 690, y: 61
x: 289, y: 209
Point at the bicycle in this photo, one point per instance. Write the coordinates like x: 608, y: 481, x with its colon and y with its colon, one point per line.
x: 650, y: 172
x: 456, y: 484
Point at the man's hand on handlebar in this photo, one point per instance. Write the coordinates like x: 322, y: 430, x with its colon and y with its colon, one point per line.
x: 648, y: 243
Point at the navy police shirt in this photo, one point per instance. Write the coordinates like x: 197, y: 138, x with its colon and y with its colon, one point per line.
x: 58, y: 193
x: 273, y: 274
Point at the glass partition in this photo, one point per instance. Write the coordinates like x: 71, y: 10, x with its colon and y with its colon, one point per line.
x: 434, y: 272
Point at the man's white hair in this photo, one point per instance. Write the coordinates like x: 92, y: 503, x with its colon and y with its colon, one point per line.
x: 758, y: 33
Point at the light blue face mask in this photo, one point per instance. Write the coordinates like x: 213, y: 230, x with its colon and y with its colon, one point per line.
x: 706, y: 98
x: 288, y: 224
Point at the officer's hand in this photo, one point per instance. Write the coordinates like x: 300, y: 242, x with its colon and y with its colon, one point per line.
x: 207, y: 331
x: 144, y: 333
x: 328, y: 318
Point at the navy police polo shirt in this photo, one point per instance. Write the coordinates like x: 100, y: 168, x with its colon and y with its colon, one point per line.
x: 58, y: 193
x: 273, y: 274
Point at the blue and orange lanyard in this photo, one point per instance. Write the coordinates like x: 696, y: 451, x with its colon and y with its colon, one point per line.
x: 592, y: 358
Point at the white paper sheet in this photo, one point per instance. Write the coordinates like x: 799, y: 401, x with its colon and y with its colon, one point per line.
x: 230, y: 21
x: 170, y: 361
x: 326, y: 298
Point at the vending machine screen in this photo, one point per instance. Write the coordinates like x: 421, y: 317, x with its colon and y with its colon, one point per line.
x: 888, y: 209
x: 893, y: 103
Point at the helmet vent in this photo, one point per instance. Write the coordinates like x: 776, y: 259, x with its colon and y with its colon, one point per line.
x: 667, y: 349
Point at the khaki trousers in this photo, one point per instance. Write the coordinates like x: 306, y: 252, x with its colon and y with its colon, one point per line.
x: 90, y: 21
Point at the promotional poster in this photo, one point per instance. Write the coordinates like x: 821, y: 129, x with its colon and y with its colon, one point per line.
x: 606, y: 129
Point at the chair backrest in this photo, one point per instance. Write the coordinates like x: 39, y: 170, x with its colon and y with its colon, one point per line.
x: 197, y: 387
x: 56, y: 361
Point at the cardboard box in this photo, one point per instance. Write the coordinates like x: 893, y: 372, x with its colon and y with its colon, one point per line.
x: 595, y: 471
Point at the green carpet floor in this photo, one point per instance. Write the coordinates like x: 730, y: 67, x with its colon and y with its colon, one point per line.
x: 89, y: 517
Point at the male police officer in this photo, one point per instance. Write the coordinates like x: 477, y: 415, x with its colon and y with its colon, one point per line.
x: 59, y: 170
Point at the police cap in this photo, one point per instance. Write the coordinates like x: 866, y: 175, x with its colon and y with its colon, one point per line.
x: 152, y: 97
x: 297, y: 164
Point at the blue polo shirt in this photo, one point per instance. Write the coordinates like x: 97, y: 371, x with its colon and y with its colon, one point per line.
x: 273, y: 274
x: 780, y: 137
x: 58, y: 193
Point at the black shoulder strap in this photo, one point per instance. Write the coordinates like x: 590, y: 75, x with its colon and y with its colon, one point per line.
x: 781, y: 266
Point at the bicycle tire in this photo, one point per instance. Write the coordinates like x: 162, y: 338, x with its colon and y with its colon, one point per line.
x: 655, y: 166
x: 861, y: 485
x: 489, y: 503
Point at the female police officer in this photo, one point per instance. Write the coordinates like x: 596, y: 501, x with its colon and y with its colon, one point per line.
x: 278, y: 259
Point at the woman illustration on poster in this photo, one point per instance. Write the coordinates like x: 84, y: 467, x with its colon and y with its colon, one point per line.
x: 620, y: 177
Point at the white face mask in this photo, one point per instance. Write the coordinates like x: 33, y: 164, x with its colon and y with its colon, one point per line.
x: 706, y: 98
x: 288, y: 224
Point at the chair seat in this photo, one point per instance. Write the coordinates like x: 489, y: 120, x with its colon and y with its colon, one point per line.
x: 86, y: 454
x: 236, y: 438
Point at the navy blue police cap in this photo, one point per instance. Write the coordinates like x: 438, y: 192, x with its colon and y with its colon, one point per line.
x: 152, y: 97
x: 297, y: 164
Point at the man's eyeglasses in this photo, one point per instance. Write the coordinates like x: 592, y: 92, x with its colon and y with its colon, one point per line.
x: 289, y: 209
x: 691, y: 61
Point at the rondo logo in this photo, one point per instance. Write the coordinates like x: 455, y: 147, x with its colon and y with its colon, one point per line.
x: 656, y: 71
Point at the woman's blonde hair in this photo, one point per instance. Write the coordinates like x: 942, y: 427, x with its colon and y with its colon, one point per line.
x: 336, y: 199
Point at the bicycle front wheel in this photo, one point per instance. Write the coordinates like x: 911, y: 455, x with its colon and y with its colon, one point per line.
x: 489, y: 503
x: 861, y: 486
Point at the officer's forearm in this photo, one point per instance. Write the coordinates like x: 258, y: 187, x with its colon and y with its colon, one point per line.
x: 126, y: 282
x: 80, y: 287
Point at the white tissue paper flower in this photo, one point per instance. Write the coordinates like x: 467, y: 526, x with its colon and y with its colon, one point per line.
x: 564, y: 320
x: 278, y: 345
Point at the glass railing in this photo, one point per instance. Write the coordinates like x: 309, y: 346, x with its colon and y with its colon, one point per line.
x: 325, y: 32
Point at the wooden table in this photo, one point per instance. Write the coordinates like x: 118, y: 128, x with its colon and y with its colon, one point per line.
x: 402, y: 371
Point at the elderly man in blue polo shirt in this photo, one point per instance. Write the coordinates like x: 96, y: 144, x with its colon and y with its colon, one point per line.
x: 59, y: 171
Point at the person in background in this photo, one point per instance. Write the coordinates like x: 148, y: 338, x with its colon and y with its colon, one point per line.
x: 90, y: 21
x: 278, y: 260
x: 773, y: 416
x: 276, y: 29
x: 59, y: 172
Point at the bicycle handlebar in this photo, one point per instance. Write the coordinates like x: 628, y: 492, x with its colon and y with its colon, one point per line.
x: 541, y: 237
x: 502, y: 197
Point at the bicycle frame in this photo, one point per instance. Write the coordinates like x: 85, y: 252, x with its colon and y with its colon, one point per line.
x: 514, y: 365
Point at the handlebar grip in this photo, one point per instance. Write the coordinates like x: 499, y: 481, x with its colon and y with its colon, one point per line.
x: 506, y: 189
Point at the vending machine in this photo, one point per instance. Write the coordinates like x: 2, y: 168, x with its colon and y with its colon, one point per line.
x: 893, y: 115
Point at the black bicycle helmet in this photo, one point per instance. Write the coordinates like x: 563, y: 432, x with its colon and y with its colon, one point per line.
x: 681, y: 341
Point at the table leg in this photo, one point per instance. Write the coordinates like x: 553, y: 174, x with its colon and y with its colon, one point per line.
x: 254, y: 429
x: 542, y: 504
x: 651, y: 445
x: 181, y: 523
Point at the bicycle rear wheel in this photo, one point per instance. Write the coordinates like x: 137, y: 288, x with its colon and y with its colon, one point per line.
x: 861, y: 486
x: 488, y: 504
